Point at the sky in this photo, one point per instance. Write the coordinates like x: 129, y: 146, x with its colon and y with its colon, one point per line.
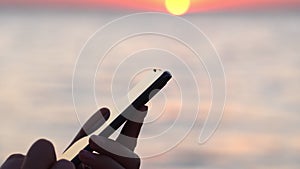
x: 260, y: 126
x: 159, y: 5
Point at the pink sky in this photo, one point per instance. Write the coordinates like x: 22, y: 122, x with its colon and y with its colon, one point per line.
x: 158, y: 5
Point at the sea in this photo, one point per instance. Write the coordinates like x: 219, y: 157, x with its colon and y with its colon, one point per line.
x: 233, y: 100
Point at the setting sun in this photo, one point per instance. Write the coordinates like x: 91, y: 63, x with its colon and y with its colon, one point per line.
x: 177, y: 7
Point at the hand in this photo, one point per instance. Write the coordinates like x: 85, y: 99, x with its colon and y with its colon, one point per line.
x: 110, y: 154
x: 117, y: 154
x: 41, y: 155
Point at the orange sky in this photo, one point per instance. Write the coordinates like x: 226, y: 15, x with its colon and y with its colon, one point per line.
x: 158, y: 5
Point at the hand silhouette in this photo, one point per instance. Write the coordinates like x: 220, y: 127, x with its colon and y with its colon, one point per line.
x: 107, y: 153
x: 117, y: 154
x: 41, y: 155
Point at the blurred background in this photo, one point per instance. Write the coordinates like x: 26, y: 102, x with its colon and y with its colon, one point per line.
x: 258, y: 42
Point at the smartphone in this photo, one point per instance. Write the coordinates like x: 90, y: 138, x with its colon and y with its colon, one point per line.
x: 140, y: 94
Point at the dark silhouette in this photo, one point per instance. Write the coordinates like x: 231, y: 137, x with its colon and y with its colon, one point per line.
x: 41, y: 154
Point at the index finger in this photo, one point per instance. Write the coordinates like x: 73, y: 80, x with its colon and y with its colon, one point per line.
x: 91, y: 125
x: 130, y: 131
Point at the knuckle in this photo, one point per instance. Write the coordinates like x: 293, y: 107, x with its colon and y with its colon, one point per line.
x: 65, y: 164
x: 15, y: 156
x: 44, y: 142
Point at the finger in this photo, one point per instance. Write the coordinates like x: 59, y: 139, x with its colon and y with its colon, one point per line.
x: 96, y: 121
x: 14, y: 161
x: 41, y: 155
x: 92, y: 124
x: 63, y: 164
x: 96, y: 161
x: 130, y: 131
x: 115, y: 150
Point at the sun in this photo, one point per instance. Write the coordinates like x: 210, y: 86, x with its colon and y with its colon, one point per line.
x: 177, y: 7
